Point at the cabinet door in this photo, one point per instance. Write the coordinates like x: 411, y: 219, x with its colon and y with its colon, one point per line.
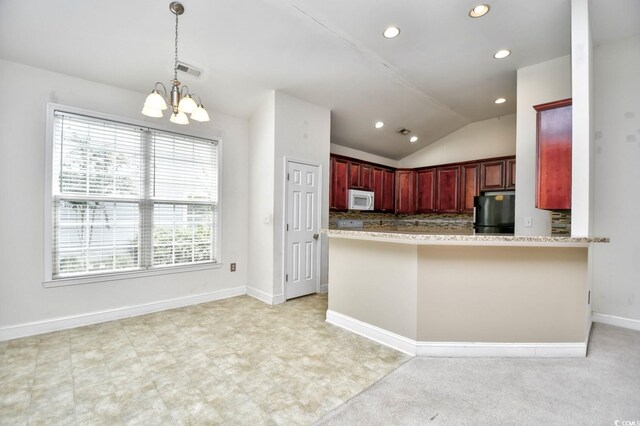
x: 492, y: 175
x: 365, y: 177
x: 405, y: 191
x: 377, y: 184
x: 339, y: 185
x: 553, y: 177
x: 511, y: 173
x: 354, y: 175
x: 426, y: 191
x: 388, y: 191
x: 469, y: 186
x: 448, y: 184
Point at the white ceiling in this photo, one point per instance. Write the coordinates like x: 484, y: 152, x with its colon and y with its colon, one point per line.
x: 436, y: 77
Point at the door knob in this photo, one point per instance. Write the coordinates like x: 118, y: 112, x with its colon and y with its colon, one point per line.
x: 315, y: 236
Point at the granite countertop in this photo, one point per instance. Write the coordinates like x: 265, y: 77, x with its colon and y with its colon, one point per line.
x: 460, y: 237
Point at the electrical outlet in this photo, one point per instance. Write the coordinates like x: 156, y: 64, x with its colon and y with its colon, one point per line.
x: 233, y: 267
x: 528, y: 222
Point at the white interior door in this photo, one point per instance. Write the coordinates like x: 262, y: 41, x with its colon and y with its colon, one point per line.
x: 302, y: 272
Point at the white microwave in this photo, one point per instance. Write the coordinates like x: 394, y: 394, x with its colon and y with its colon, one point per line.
x: 360, y: 200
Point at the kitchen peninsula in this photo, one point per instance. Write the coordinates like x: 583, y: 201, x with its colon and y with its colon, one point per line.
x: 462, y: 295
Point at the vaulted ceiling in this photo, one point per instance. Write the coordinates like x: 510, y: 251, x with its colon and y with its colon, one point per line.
x: 438, y: 75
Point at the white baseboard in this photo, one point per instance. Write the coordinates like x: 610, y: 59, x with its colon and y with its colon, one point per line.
x: 632, y: 324
x: 324, y: 288
x: 377, y: 334
x: 63, y: 323
x: 265, y: 297
x: 456, y: 349
x: 503, y: 350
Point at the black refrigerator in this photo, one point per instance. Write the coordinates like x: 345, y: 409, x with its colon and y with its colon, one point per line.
x: 494, y: 213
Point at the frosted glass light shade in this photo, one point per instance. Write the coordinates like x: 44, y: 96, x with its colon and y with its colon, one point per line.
x: 155, y: 101
x: 151, y: 112
x: 179, y: 118
x: 200, y: 114
x: 187, y: 104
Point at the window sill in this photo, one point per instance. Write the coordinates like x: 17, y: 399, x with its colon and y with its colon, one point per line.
x: 89, y: 279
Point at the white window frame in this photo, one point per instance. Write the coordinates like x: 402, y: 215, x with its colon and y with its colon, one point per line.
x: 48, y: 280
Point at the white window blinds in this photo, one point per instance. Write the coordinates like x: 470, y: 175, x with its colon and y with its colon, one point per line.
x: 130, y: 198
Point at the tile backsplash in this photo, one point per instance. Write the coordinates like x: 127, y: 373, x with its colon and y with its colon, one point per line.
x: 427, y: 222
x: 561, y: 222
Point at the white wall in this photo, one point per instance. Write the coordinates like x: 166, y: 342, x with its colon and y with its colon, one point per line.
x: 302, y: 133
x: 616, y: 266
x: 537, y: 84
x: 582, y: 115
x: 283, y: 127
x: 495, y: 137
x: 261, y: 189
x: 23, y: 299
x: 361, y: 155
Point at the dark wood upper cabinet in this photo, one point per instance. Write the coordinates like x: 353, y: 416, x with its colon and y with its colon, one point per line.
x: 382, y: 183
x: 365, y: 177
x: 360, y: 176
x: 469, y: 185
x: 426, y: 191
x: 378, y: 188
x: 448, y: 187
x: 492, y: 175
x: 511, y: 173
x: 553, y: 165
x: 405, y: 191
x: 354, y: 175
x: 339, y: 188
x: 388, y: 191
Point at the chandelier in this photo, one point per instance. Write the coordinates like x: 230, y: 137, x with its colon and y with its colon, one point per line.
x: 180, y: 99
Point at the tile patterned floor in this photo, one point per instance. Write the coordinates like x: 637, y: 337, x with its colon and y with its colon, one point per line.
x: 234, y: 361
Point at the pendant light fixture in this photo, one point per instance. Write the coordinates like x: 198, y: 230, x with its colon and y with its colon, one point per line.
x: 179, y: 98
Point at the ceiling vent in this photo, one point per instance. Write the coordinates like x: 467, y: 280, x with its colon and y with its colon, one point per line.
x: 189, y: 69
x: 404, y: 131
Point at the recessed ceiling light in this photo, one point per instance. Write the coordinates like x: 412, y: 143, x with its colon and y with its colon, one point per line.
x: 500, y: 100
x: 413, y: 139
x: 379, y: 124
x: 501, y: 54
x: 391, y: 32
x: 479, y: 10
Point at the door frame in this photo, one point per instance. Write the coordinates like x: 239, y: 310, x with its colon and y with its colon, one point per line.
x: 285, y: 186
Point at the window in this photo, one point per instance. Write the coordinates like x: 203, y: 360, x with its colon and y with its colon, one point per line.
x: 129, y: 198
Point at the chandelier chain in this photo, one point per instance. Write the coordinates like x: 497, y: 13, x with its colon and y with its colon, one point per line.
x: 175, y: 61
